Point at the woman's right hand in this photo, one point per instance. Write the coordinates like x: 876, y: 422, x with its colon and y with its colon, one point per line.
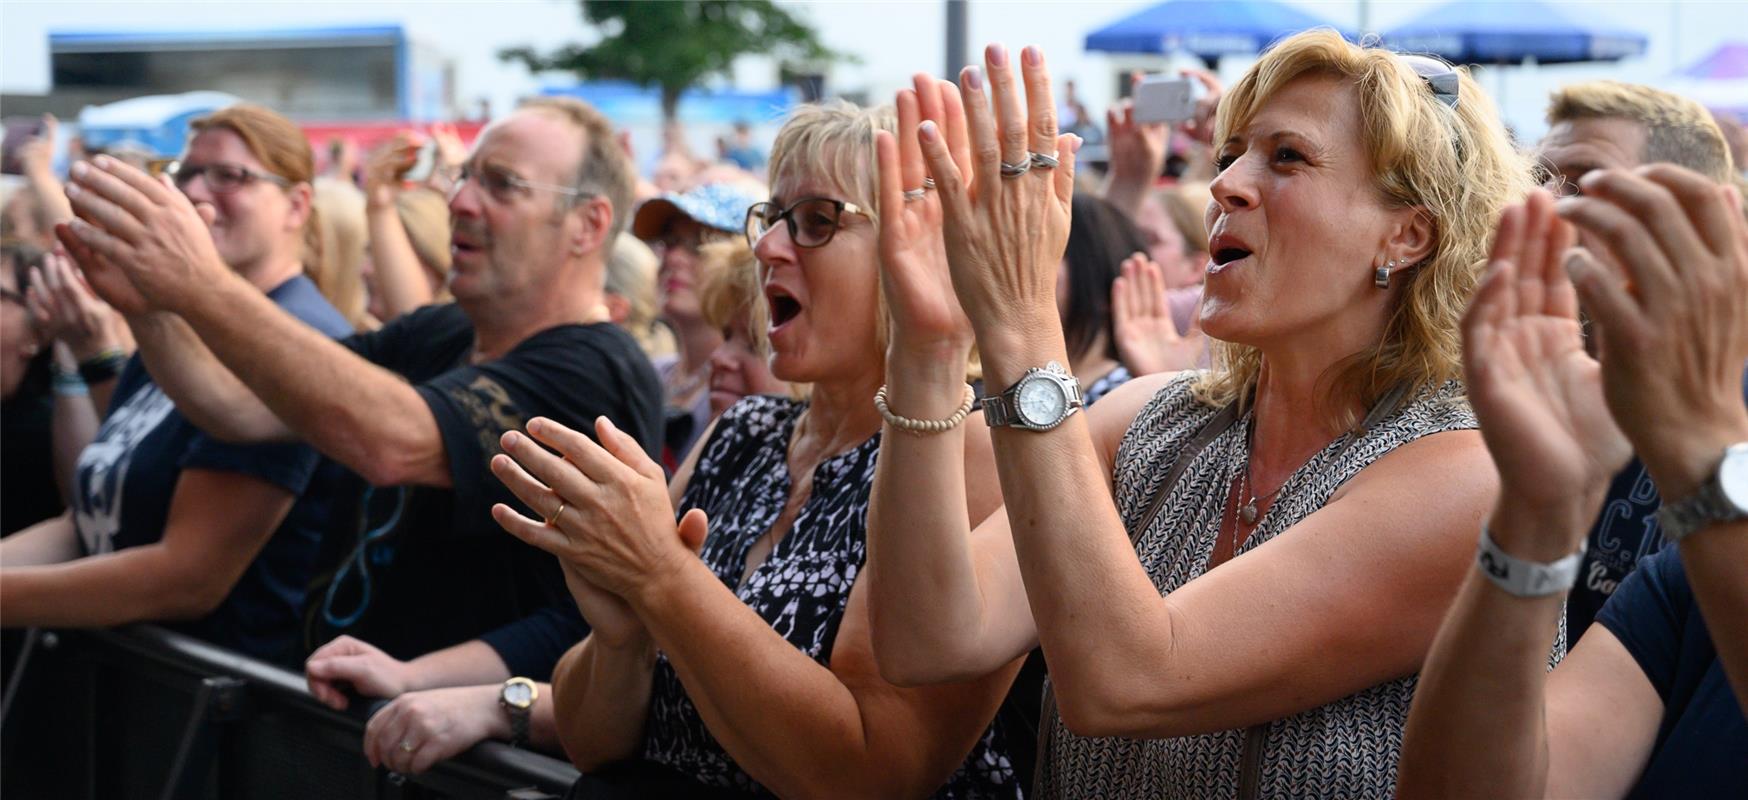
x: 918, y: 285
x: 66, y: 310
x: 1537, y: 393
x: 1005, y: 236
x: 385, y: 166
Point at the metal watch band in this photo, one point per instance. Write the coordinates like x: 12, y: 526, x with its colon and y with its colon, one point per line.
x: 1709, y: 505
x: 1002, y: 409
x: 1526, y: 578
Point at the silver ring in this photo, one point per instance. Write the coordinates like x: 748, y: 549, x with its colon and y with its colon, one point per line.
x: 928, y: 184
x: 1043, y: 161
x: 1016, y: 170
x: 407, y: 746
x: 914, y: 194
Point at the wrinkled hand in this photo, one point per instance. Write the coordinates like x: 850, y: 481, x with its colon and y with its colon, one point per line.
x: 144, y: 228
x: 1201, y: 126
x: 1536, y: 392
x: 616, y: 529
x: 36, y: 157
x: 913, y: 256
x: 1005, y: 236
x: 420, y: 729
x: 1147, y: 339
x: 386, y: 165
x: 1137, y: 148
x: 350, y: 662
x: 64, y: 308
x: 1669, y: 298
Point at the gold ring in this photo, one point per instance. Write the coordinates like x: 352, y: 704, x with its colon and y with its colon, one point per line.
x: 554, y: 518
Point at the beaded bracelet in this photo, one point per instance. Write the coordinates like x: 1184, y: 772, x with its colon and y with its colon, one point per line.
x: 924, y: 427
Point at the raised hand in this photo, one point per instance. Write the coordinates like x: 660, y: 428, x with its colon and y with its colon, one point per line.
x: 1005, y: 234
x: 913, y: 257
x: 129, y: 223
x: 1536, y: 392
x: 385, y: 166
x: 1201, y: 126
x: 1137, y: 148
x: 1668, y: 293
x: 447, y: 160
x: 63, y: 307
x: 1146, y: 337
x: 614, y: 532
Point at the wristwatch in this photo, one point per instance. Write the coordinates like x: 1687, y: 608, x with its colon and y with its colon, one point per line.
x: 1040, y: 400
x: 1722, y: 498
x: 517, y: 698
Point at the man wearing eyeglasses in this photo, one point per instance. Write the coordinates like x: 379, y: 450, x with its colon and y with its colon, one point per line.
x: 417, y: 568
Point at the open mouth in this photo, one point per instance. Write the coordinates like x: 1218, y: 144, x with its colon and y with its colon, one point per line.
x: 1227, y: 255
x: 784, y: 307
x: 463, y: 246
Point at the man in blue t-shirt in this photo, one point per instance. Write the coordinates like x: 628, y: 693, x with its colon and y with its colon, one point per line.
x: 1650, y: 703
x: 429, y: 591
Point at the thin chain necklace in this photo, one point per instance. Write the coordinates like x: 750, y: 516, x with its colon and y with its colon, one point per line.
x: 1247, y: 511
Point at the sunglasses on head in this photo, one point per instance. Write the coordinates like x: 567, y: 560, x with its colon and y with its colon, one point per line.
x: 1439, y: 76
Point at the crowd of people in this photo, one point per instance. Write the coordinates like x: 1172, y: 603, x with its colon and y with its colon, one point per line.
x: 721, y: 485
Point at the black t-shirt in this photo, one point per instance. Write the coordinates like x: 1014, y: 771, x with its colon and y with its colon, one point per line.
x: 1702, y: 743
x: 27, y: 469
x: 434, y: 569
x: 127, y: 478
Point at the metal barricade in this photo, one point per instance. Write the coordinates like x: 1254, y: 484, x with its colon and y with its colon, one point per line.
x: 142, y: 712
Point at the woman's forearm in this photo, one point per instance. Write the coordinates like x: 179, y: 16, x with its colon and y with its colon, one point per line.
x: 50, y: 541
x: 922, y: 581
x: 399, y: 276
x: 600, y: 700
x: 1478, y: 726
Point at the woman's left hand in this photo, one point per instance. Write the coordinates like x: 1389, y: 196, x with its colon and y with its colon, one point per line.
x: 926, y: 316
x: 1005, y: 235
x: 419, y: 729
x: 1537, y: 393
x: 612, y: 519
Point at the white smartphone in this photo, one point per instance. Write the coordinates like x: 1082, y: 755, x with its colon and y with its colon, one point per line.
x: 1162, y: 98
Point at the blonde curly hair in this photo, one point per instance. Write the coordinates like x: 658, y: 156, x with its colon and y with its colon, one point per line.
x: 1457, y: 165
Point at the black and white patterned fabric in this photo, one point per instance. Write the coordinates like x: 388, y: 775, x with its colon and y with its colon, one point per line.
x: 1347, y: 748
x: 1118, y: 376
x: 742, y: 480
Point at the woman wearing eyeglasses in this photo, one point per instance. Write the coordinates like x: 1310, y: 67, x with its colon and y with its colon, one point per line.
x: 169, y: 524
x: 1234, y: 574
x: 731, y: 652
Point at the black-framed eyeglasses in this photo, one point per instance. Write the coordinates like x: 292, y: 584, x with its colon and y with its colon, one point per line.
x: 1441, y: 77
x: 505, y: 186
x: 812, y: 221
x: 9, y: 296
x: 221, y: 178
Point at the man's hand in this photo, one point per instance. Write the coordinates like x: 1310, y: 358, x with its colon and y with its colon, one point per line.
x: 145, y: 228
x: 349, y: 662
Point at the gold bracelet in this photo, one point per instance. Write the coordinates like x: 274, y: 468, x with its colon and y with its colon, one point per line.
x: 924, y: 427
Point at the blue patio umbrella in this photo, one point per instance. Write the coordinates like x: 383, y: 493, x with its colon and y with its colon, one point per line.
x: 1204, y: 28
x: 1467, y: 32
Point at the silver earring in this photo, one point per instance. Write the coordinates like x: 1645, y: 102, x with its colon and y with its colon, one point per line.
x: 1381, y: 278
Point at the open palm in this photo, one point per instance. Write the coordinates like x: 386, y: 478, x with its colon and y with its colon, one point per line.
x: 913, y: 255
x: 1536, y: 391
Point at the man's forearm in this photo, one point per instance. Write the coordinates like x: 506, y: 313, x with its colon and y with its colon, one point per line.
x: 1716, y: 560
x: 1477, y: 727
x: 204, y: 391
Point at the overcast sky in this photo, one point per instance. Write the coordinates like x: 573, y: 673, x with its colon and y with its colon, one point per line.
x: 893, y: 39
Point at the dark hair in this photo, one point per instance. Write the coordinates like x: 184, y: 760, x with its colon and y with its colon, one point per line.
x: 1099, y: 238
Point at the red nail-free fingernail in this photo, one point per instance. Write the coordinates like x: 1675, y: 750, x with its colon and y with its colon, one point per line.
x: 974, y: 79
x: 1032, y: 56
x: 926, y: 130
x: 998, y: 56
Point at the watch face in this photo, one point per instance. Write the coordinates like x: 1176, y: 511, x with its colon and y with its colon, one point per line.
x: 1041, y: 402
x: 519, y: 694
x: 1733, y: 476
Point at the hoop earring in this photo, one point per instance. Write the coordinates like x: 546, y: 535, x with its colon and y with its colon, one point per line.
x: 1381, y: 278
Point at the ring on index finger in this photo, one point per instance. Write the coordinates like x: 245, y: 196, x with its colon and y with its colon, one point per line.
x: 1043, y: 160
x: 1017, y: 169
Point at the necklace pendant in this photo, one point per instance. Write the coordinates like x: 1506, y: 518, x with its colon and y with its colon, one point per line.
x: 1247, y: 512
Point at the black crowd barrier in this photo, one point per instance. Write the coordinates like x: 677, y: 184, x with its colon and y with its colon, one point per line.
x: 141, y: 712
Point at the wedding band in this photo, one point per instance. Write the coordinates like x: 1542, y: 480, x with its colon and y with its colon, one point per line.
x: 554, y: 518
x: 1016, y: 170
x: 928, y: 184
x: 407, y: 746
x: 1043, y: 161
x: 914, y: 194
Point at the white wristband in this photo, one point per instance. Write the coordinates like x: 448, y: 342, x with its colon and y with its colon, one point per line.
x: 1526, y: 578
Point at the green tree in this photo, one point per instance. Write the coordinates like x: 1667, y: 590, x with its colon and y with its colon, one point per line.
x: 676, y: 44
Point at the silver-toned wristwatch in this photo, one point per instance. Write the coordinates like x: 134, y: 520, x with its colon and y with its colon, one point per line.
x: 1040, y: 400
x: 1722, y: 498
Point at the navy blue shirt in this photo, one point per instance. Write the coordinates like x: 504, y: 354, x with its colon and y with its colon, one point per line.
x: 128, y: 475
x: 1702, y: 743
x: 421, y: 568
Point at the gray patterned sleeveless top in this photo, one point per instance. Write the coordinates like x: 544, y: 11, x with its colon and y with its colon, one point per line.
x: 1347, y: 748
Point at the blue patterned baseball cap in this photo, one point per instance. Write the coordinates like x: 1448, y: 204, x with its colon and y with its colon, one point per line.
x: 722, y: 206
